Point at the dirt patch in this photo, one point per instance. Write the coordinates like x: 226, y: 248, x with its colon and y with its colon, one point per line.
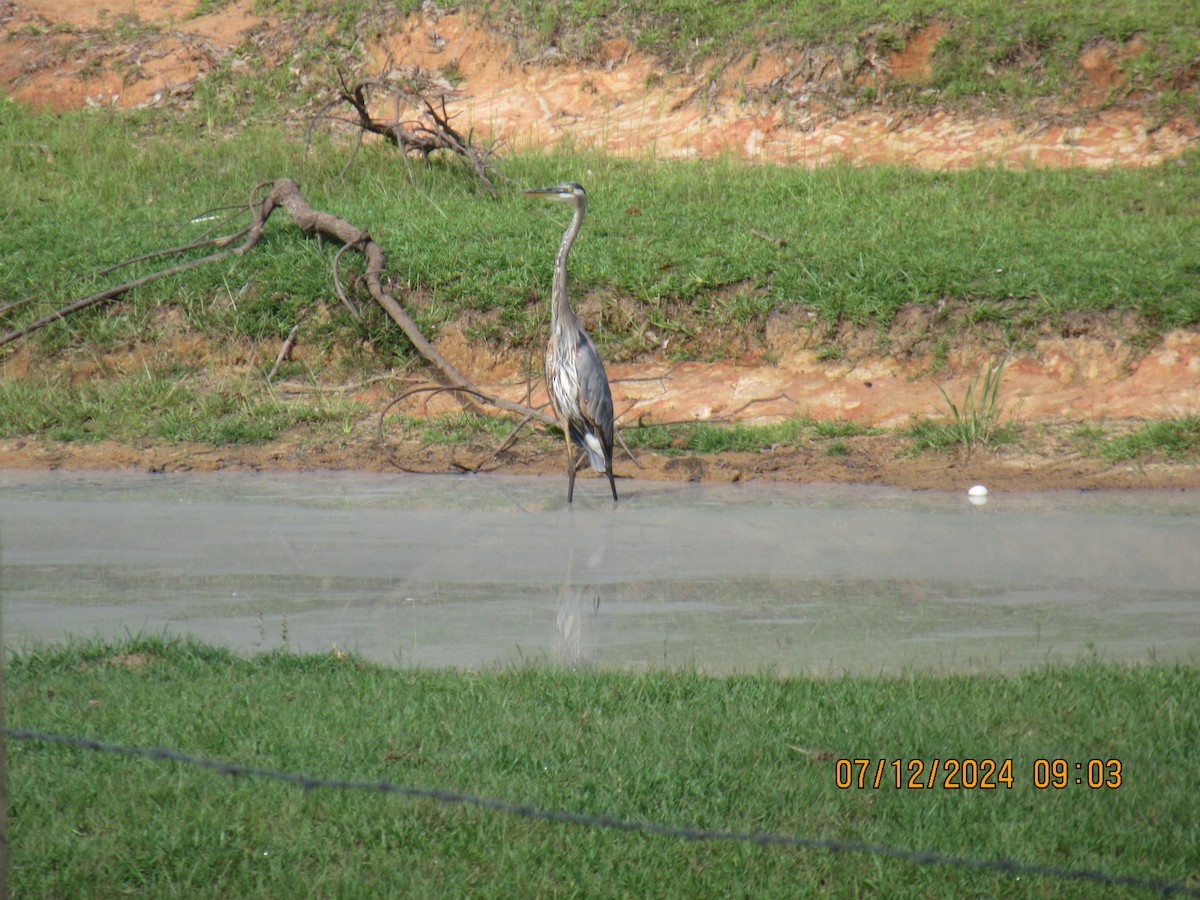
x: 1103, y: 65
x: 915, y: 62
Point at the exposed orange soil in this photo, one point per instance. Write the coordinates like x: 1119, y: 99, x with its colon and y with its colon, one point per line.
x: 622, y: 104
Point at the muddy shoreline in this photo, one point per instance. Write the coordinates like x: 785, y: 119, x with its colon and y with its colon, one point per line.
x: 1043, y: 459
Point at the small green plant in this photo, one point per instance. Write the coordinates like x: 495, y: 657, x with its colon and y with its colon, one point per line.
x: 718, y: 437
x: 837, y: 428
x: 829, y: 353
x: 976, y: 422
x: 453, y: 73
x: 889, y: 42
x: 1087, y: 438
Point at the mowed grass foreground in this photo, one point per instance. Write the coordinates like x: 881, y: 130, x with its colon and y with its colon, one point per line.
x: 747, y: 753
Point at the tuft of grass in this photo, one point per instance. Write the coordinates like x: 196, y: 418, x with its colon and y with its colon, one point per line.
x: 975, y: 422
x: 979, y: 417
x: 749, y: 752
x: 1177, y: 438
x: 720, y: 437
x: 461, y: 427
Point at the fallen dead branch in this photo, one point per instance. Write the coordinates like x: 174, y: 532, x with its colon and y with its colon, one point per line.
x: 431, y: 391
x: 284, y: 193
x: 426, y: 130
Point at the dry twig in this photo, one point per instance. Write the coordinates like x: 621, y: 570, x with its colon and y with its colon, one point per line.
x: 288, y: 344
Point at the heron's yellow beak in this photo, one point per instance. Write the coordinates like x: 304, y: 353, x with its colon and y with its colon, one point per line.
x: 555, y: 193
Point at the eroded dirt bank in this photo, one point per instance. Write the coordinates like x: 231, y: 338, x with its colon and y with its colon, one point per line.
x: 781, y: 105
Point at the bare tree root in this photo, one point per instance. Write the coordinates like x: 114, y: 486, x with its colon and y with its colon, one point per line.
x: 431, y: 391
x: 288, y: 344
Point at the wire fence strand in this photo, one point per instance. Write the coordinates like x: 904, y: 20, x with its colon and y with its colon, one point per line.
x: 688, y: 833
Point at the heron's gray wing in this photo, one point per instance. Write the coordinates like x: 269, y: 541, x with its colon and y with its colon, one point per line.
x: 595, y: 397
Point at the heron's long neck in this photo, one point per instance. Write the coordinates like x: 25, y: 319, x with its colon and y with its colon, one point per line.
x: 560, y: 308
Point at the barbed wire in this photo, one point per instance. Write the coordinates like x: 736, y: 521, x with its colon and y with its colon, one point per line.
x: 688, y: 833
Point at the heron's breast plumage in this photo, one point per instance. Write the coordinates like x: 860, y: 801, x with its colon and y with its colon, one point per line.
x: 563, y: 377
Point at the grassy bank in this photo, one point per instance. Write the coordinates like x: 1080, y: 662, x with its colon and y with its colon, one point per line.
x: 688, y: 261
x: 1002, y: 253
x: 747, y: 753
x: 664, y: 241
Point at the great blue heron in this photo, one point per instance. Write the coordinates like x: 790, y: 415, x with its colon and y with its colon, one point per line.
x: 575, y: 377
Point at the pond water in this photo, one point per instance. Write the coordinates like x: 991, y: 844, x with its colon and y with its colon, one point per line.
x: 476, y: 571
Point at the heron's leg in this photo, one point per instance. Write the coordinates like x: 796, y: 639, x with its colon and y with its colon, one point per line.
x: 570, y: 471
x: 612, y: 484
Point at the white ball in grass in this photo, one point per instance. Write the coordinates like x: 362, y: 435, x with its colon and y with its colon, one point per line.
x: 977, y: 494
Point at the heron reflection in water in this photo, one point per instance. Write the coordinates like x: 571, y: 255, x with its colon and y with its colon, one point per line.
x: 578, y: 628
x: 575, y: 377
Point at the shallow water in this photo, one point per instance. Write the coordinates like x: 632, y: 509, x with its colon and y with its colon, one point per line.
x: 482, y: 570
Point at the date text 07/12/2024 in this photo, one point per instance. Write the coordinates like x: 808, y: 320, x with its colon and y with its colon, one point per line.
x: 975, y: 774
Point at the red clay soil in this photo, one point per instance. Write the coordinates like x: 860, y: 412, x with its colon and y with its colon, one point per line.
x: 623, y: 105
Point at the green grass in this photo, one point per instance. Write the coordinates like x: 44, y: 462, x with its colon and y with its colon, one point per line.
x: 974, y: 422
x: 455, y: 428
x: 1018, y: 251
x: 154, y: 406
x: 860, y: 243
x: 1177, y: 438
x: 720, y: 437
x: 747, y: 753
x: 983, y: 33
x: 941, y: 434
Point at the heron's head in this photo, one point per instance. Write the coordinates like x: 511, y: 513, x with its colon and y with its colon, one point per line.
x: 568, y: 190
